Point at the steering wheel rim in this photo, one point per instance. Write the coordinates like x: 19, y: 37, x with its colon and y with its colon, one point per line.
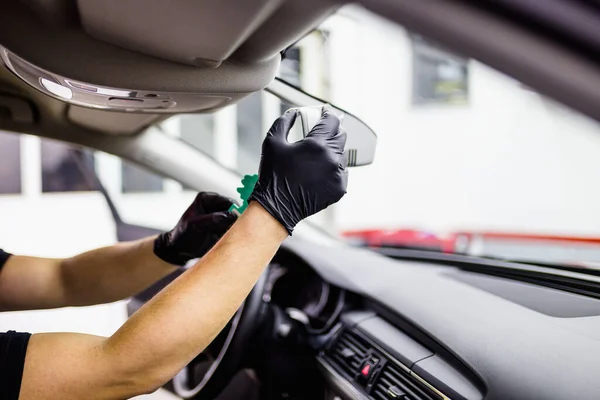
x: 228, y: 361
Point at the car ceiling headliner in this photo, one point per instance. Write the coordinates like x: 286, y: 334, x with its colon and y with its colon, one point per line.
x: 224, y: 49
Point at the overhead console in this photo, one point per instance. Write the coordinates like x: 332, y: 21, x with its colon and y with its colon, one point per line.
x: 150, y: 55
x: 371, y: 359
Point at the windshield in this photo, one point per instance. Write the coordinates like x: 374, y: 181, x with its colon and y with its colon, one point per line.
x: 468, y: 159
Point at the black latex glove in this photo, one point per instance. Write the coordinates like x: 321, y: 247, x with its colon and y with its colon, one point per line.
x: 296, y: 180
x: 199, y: 228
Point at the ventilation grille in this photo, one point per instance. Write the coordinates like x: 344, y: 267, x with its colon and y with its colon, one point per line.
x: 394, y: 383
x: 348, y: 352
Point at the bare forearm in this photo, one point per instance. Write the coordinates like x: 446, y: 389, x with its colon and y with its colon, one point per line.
x: 185, y: 317
x: 98, y: 276
x: 111, y: 273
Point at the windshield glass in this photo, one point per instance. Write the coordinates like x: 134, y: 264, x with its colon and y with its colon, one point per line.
x: 468, y: 159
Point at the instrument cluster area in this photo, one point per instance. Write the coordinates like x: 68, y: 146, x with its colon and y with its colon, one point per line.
x: 304, y: 296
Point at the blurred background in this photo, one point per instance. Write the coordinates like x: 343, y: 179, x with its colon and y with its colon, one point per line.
x: 468, y: 160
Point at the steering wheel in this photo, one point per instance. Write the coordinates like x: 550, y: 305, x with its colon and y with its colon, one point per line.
x: 212, y: 370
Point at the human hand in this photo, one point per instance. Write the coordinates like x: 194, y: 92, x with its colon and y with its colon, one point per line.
x: 199, y: 228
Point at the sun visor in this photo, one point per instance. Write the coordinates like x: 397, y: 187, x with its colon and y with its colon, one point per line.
x: 195, y: 32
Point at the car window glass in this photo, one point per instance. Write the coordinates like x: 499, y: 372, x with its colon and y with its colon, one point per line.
x: 250, y: 132
x: 10, y: 163
x: 58, y: 210
x: 463, y: 151
x: 197, y: 130
x: 136, y: 179
x: 61, y: 171
x: 140, y: 196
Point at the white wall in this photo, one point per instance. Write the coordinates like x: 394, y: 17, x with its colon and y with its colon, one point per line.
x: 509, y: 160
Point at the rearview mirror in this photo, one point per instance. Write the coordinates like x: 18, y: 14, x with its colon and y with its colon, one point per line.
x: 361, y: 139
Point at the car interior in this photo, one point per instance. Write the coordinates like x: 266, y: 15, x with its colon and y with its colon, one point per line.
x: 327, y: 320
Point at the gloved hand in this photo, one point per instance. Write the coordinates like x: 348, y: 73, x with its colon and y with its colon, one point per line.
x: 296, y: 180
x: 199, y: 228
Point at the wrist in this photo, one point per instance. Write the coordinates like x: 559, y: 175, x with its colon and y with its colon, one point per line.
x: 263, y: 223
x: 280, y: 214
x: 165, y: 252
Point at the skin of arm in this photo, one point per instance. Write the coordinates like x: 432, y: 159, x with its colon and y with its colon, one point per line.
x: 97, y: 276
x: 166, y: 333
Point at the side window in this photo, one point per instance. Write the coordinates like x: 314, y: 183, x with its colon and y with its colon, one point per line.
x: 199, y: 131
x: 53, y: 209
x: 439, y: 77
x: 10, y: 163
x: 250, y: 133
x: 136, y: 179
x: 290, y: 66
x: 64, y: 166
x: 61, y: 181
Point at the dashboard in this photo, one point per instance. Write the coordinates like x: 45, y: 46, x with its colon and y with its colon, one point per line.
x: 359, y: 354
x: 423, y: 330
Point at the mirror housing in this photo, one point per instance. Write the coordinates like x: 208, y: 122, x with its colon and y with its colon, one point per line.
x: 362, y: 140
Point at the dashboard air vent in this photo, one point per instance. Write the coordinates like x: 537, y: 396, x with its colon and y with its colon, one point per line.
x: 394, y: 383
x: 348, y: 352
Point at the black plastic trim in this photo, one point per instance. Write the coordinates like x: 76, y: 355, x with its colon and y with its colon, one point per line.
x: 401, y: 346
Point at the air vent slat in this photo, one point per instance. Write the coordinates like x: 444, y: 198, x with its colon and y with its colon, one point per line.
x: 380, y: 395
x: 355, y: 343
x: 385, y: 381
x: 343, y: 364
x: 392, y: 375
x: 348, y: 352
x: 344, y: 344
x: 393, y: 378
x: 354, y: 360
x: 353, y: 346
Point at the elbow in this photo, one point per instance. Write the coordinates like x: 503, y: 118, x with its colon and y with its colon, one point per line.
x: 135, y: 374
x: 148, y: 383
x: 145, y: 388
x: 129, y: 384
x: 139, y: 381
